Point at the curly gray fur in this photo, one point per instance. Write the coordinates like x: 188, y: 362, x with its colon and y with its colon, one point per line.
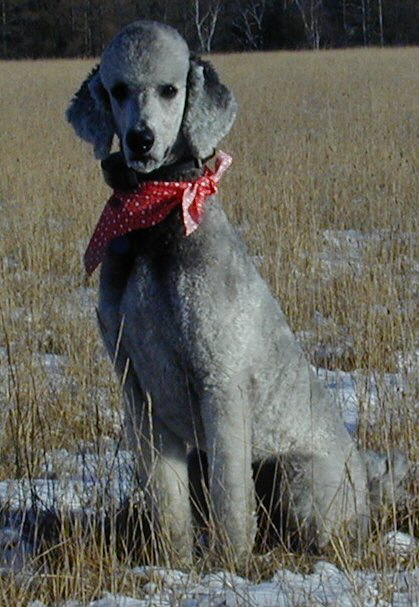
x: 204, y: 350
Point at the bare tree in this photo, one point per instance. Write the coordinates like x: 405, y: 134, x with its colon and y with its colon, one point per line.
x: 311, y: 13
x: 205, y: 22
x: 4, y: 28
x: 365, y: 13
x: 380, y: 21
x: 249, y: 24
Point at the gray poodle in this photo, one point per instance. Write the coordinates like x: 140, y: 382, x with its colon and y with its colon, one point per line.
x: 201, y: 346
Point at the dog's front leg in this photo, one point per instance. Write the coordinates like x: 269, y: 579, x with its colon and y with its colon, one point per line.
x: 227, y: 426
x: 162, y: 468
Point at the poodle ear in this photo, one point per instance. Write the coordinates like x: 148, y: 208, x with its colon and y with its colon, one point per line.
x: 210, y: 109
x: 90, y: 114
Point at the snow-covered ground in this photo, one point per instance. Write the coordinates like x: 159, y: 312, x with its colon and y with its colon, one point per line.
x: 86, y: 479
x: 326, y: 586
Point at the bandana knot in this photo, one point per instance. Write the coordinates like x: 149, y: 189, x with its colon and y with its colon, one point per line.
x: 149, y: 204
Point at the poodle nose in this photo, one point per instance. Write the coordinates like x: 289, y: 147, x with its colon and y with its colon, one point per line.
x: 140, y: 141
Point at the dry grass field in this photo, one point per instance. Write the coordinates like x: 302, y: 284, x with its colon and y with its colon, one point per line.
x: 325, y: 143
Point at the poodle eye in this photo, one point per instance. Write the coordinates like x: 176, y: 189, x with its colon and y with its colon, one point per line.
x: 168, y: 91
x: 119, y: 91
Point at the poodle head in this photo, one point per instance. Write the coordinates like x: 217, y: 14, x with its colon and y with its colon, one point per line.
x: 161, y: 103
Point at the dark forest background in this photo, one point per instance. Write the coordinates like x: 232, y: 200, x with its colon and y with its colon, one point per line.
x: 69, y: 28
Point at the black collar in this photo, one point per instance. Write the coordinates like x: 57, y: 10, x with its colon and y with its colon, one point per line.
x: 120, y: 177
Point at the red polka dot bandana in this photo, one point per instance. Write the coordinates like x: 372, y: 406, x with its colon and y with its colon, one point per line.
x: 149, y: 204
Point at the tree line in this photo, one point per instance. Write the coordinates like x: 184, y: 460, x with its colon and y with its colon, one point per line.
x: 70, y: 28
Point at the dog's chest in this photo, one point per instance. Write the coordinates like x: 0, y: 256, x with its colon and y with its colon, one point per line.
x: 149, y: 315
